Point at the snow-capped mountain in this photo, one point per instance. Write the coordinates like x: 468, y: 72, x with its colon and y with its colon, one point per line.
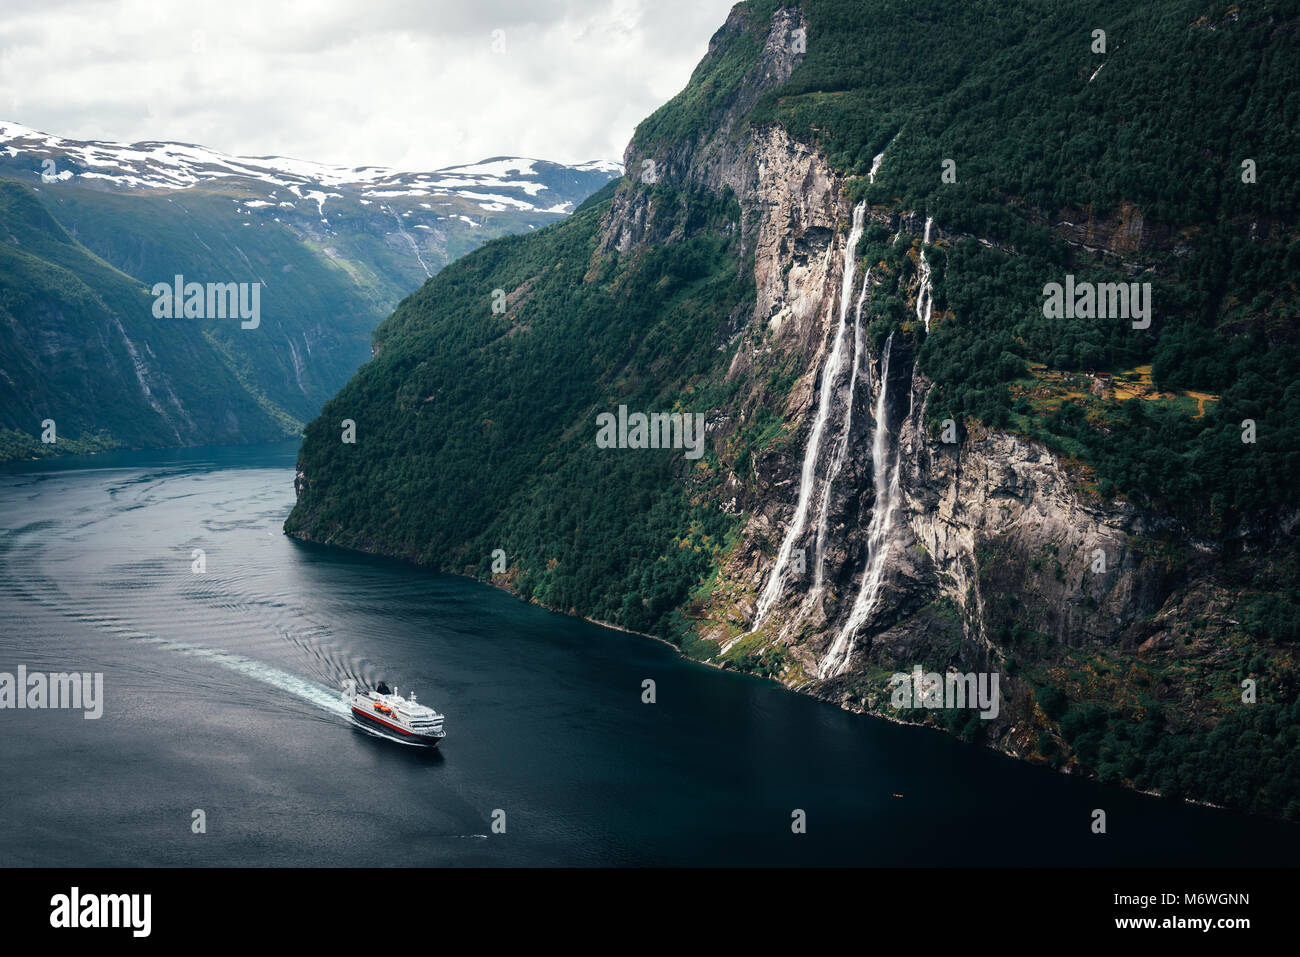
x: 497, y: 184
x: 88, y: 228
x: 408, y: 224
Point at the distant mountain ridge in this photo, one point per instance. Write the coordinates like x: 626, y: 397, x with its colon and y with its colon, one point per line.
x: 515, y: 182
x: 332, y: 251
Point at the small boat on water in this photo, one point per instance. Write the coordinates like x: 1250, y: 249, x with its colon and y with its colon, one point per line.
x: 398, y: 717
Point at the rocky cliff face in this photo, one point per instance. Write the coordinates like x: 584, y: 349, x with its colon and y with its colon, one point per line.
x: 987, y: 550
x: 838, y: 528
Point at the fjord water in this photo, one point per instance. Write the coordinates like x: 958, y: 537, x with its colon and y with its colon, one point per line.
x: 221, y: 694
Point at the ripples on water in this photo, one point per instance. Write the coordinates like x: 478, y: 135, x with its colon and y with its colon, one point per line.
x: 224, y: 691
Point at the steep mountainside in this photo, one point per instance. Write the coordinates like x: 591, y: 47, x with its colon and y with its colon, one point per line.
x: 81, y: 348
x: 839, y: 245
x: 333, y: 249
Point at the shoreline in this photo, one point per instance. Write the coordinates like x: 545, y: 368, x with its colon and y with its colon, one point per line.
x: 1065, y: 770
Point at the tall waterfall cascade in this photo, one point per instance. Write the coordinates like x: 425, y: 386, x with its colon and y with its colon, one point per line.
x: 823, y: 464
x: 841, y: 449
x: 831, y: 373
x: 885, y: 461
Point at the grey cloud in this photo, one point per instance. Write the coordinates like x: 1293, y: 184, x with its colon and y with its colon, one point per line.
x: 400, y: 83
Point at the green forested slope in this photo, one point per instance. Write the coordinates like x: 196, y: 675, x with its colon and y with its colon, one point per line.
x: 474, y: 431
x: 1041, y: 129
x: 331, y: 265
x: 307, y: 298
x: 1189, y: 90
x: 66, y: 318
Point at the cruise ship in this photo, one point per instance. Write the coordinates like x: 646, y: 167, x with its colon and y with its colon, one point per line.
x: 398, y: 717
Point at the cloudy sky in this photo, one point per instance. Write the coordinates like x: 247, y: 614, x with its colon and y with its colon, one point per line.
x: 414, y: 84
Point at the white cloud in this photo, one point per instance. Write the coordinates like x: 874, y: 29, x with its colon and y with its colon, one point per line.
x: 396, y: 83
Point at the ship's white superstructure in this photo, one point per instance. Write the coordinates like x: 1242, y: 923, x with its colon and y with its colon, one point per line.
x: 400, y: 717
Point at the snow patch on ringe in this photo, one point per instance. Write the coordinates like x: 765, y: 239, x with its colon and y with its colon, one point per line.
x: 600, y: 166
x: 158, y: 165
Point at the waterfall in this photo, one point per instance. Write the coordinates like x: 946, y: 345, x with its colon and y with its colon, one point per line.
x: 837, y: 462
x: 923, y: 300
x: 884, y: 469
x: 808, y: 476
x: 875, y: 166
x: 880, y: 158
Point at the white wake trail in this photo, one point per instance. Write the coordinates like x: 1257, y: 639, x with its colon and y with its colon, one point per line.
x: 309, y: 691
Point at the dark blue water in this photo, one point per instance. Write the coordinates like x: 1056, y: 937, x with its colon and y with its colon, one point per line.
x: 222, y: 694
